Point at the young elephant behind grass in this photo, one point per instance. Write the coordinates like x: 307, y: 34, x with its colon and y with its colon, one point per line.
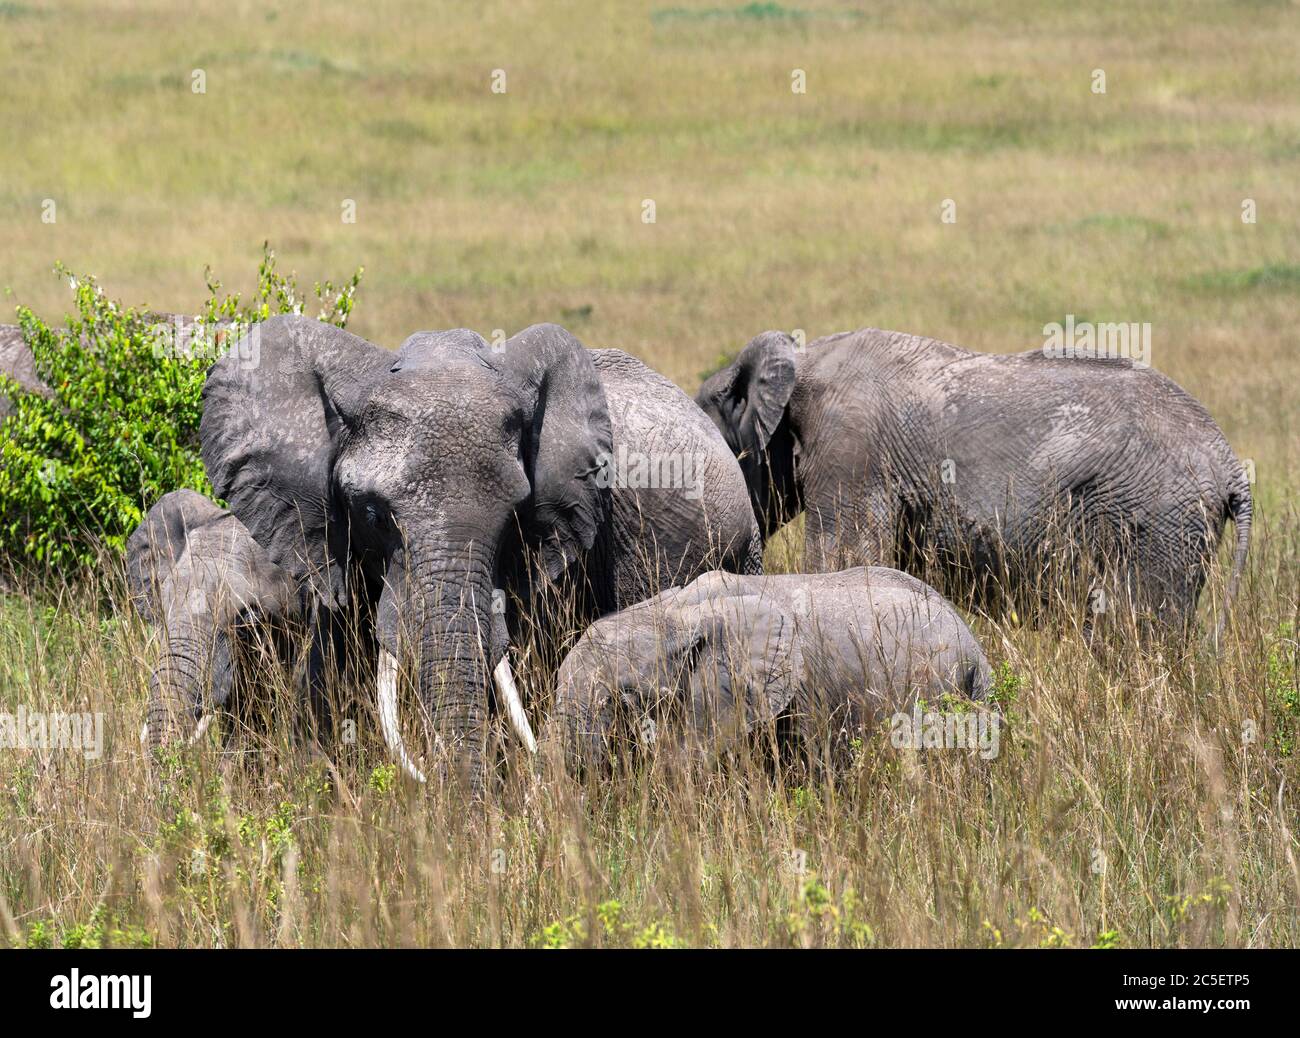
x: 809, y: 662
x: 209, y: 590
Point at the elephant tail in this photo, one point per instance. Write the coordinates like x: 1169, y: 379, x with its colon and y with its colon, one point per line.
x: 1240, y: 510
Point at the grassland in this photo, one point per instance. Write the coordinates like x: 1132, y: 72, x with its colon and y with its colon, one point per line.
x: 1127, y: 808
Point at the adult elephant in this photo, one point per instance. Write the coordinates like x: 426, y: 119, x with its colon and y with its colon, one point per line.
x: 991, y: 474
x: 809, y: 662
x: 435, y: 484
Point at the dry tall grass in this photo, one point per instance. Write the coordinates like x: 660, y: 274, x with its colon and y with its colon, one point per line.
x: 1149, y: 801
x: 818, y: 211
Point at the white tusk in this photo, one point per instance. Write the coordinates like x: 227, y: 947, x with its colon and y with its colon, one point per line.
x: 201, y: 730
x: 388, y: 714
x: 144, y: 733
x: 514, y: 705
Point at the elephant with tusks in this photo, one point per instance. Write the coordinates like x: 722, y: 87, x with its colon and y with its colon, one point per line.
x: 429, y: 497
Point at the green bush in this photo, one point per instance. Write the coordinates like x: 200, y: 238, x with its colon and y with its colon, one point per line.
x: 80, y: 467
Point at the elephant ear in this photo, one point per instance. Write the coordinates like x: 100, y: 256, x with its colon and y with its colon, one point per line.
x: 747, y: 399
x: 193, y: 556
x: 274, y: 408
x: 745, y: 664
x: 567, y: 441
x: 158, y: 545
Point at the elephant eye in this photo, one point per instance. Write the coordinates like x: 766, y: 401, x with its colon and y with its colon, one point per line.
x: 374, y: 515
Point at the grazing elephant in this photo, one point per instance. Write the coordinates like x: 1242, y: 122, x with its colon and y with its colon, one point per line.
x: 990, y: 472
x: 812, y: 659
x: 435, y: 484
x: 197, y: 576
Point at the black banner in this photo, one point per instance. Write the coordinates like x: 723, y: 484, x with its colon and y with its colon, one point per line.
x: 144, y: 988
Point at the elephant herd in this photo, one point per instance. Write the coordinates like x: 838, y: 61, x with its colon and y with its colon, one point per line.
x: 399, y: 521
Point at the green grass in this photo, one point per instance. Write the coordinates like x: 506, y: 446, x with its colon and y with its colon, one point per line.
x: 1279, y: 277
x: 817, y: 211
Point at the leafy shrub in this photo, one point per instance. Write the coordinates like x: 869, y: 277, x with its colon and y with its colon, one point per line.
x: 80, y: 466
x: 818, y: 919
x: 103, y: 930
x: 612, y: 931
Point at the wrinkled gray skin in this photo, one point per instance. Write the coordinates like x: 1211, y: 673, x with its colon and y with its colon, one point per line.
x: 903, y: 448
x: 17, y: 362
x: 198, y: 577
x: 413, y: 482
x: 812, y: 659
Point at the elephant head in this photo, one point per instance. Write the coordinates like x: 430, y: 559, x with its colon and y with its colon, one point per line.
x: 828, y: 656
x: 196, y: 574
x: 748, y: 402
x: 677, y: 669
x: 415, y: 481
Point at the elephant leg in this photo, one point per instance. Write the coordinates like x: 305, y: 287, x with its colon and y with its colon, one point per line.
x: 323, y: 664
x: 1106, y: 580
x: 1152, y: 579
x: 844, y: 529
x: 1169, y: 572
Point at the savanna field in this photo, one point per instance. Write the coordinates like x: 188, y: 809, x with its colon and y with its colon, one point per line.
x: 1150, y: 800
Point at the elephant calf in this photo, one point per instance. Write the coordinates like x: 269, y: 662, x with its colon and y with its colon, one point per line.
x: 196, y: 574
x: 813, y: 660
x: 989, y: 471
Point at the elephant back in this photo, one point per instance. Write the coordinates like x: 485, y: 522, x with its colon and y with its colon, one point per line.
x: 696, y: 514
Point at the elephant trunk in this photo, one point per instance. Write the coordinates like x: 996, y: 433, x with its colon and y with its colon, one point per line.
x: 578, y: 724
x: 566, y: 731
x: 442, y: 607
x: 176, y: 710
x: 450, y: 598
